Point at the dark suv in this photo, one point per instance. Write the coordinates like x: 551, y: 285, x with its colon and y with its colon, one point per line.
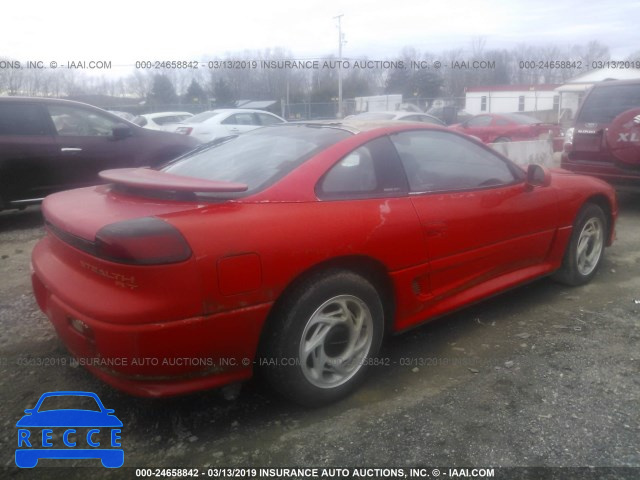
x: 605, y: 139
x: 48, y: 145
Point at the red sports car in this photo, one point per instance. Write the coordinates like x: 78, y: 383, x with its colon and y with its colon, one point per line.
x: 507, y: 127
x: 293, y: 249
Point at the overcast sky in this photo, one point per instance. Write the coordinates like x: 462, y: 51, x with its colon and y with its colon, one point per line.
x: 129, y: 30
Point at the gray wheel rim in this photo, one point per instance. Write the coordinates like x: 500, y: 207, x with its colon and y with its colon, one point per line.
x: 336, y: 341
x: 590, y: 245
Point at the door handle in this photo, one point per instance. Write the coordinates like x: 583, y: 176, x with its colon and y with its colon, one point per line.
x: 70, y: 149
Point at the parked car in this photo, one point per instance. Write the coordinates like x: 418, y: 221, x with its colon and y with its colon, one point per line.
x: 397, y: 115
x: 605, y: 139
x: 48, y: 145
x: 507, y: 127
x: 292, y: 249
x: 162, y: 120
x: 214, y: 124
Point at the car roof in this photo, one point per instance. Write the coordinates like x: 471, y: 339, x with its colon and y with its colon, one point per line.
x: 47, y: 100
x: 61, y: 101
x: 355, y: 126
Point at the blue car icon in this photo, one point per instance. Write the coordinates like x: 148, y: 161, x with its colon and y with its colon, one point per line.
x: 92, y: 432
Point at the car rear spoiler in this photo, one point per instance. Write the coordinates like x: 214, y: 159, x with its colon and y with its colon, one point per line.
x: 156, y: 180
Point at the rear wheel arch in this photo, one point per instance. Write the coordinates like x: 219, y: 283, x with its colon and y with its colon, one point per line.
x: 367, y: 267
x: 308, y: 323
x: 602, y: 202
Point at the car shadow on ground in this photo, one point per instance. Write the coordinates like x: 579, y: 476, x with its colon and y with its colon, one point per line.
x: 207, y: 415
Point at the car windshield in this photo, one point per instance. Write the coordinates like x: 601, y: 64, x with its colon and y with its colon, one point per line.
x: 257, y: 158
x: 201, y: 117
x: 607, y: 102
x: 522, y: 119
x: 69, y: 402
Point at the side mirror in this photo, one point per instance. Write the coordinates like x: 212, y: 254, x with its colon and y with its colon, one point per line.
x: 538, y: 176
x: 121, y: 131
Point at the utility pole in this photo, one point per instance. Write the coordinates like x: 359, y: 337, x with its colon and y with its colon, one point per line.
x: 340, y: 43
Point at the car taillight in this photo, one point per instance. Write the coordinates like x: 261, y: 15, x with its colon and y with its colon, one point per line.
x: 184, y: 130
x: 142, y: 241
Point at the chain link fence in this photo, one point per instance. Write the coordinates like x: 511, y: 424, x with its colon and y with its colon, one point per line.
x: 450, y: 109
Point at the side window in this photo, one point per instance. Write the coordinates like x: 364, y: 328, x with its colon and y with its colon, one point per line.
x: 501, y: 121
x: 72, y: 121
x: 479, y: 121
x: 240, y: 119
x: 22, y: 119
x: 372, y: 170
x: 266, y: 119
x: 440, y: 161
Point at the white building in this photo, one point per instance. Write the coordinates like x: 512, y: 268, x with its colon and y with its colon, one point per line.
x: 511, y: 98
x: 378, y: 103
x: 572, y: 92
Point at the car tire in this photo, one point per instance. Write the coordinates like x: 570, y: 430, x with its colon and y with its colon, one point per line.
x: 502, y: 140
x: 322, y: 337
x: 586, y: 247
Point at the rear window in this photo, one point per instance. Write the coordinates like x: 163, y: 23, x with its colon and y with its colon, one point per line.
x: 170, y: 119
x: 257, y: 158
x: 605, y: 103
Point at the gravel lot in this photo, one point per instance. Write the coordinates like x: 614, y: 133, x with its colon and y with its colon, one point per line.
x: 544, y: 375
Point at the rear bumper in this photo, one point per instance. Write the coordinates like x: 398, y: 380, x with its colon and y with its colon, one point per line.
x: 607, y: 171
x: 155, y: 359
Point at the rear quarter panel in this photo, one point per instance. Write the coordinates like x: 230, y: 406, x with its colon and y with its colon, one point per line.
x: 291, y: 238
